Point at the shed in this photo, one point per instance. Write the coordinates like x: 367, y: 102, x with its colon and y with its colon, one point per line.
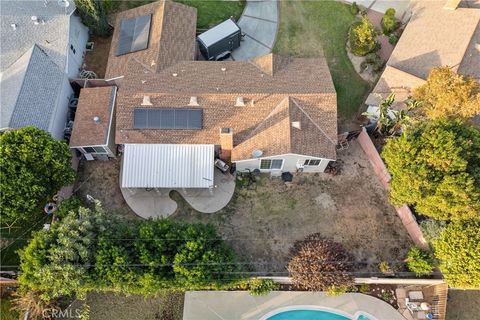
x: 168, y: 166
x: 219, y: 41
x: 94, y: 120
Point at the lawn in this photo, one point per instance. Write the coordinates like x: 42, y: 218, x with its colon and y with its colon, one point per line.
x: 165, y: 306
x: 307, y: 28
x: 209, y: 13
x: 463, y: 304
x: 6, y: 312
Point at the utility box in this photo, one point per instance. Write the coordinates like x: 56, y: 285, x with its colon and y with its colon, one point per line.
x: 219, y: 42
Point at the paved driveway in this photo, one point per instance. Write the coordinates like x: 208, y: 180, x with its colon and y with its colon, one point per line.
x: 259, y: 22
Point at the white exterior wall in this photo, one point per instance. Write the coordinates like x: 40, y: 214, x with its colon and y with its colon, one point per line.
x: 78, y: 38
x: 59, y: 119
x: 290, y: 162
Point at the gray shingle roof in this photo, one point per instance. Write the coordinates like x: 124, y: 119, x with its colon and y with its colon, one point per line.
x: 30, y: 88
x: 51, y: 34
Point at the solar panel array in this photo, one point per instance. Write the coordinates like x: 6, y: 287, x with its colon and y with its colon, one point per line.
x: 160, y: 118
x: 134, y: 34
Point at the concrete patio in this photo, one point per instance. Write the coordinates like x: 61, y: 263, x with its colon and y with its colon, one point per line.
x: 213, y: 305
x: 156, y: 202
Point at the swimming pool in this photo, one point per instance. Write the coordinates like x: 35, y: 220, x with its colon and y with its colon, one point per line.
x: 311, y: 313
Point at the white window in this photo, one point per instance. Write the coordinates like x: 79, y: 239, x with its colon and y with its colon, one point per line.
x: 271, y: 164
x: 312, y: 162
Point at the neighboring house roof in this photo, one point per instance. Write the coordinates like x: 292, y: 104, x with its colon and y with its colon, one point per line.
x: 30, y: 89
x: 93, y: 102
x: 171, y: 39
x: 50, y: 34
x: 263, y: 84
x: 433, y: 37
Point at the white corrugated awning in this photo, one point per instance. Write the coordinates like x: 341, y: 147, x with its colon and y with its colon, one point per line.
x: 168, y: 166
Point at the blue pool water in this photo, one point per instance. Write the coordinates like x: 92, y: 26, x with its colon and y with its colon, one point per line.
x: 310, y: 315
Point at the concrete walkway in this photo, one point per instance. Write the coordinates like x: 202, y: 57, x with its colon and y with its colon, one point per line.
x: 156, y: 203
x: 214, y: 305
x: 259, y: 22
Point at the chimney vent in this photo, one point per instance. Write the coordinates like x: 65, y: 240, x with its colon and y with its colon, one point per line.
x: 297, y: 124
x: 97, y: 120
x: 224, y: 69
x: 193, y: 102
x: 14, y: 26
x: 239, y: 102
x: 146, y: 101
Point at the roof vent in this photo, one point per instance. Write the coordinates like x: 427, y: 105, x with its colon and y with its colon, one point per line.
x: 63, y: 3
x: 193, y: 102
x: 146, y: 101
x: 257, y: 153
x: 153, y: 63
x: 174, y: 74
x: 296, y: 124
x: 14, y: 26
x: 36, y: 20
x: 239, y: 102
x: 224, y: 69
x: 97, y: 120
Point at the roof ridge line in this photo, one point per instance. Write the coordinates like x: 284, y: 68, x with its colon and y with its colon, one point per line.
x: 316, y: 125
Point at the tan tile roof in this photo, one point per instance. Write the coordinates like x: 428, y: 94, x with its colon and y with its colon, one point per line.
x: 434, y: 37
x: 217, y: 86
x: 172, y: 37
x: 93, y: 102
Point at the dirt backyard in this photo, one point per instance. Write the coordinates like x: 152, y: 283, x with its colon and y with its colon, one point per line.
x: 262, y: 223
x: 352, y: 208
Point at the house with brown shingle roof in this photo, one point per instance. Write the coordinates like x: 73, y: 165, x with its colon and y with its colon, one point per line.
x: 174, y: 116
x: 435, y: 36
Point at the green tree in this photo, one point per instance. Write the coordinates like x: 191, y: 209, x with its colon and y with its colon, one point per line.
x: 458, y: 250
x: 435, y: 167
x: 94, y: 16
x: 389, y: 22
x: 58, y: 262
x: 320, y: 264
x: 362, y: 37
x: 419, y: 261
x: 33, y: 167
x: 448, y: 94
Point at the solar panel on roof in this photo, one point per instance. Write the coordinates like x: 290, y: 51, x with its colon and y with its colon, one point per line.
x: 134, y: 34
x: 168, y: 118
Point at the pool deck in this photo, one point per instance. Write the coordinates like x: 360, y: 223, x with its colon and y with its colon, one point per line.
x: 240, y: 305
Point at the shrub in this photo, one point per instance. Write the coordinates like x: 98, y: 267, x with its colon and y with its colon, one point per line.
x: 319, y: 264
x: 431, y: 229
x: 67, y: 206
x: 335, y: 291
x: 362, y: 37
x: 385, y: 268
x: 393, y: 39
x: 389, y: 22
x: 435, y: 166
x: 354, y: 9
x: 260, y: 287
x: 458, y: 251
x: 419, y: 261
x: 364, y: 288
x: 375, y: 61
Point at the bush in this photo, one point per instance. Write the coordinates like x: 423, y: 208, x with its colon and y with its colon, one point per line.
x: 393, y: 39
x: 431, y: 229
x: 375, y: 61
x: 385, y: 268
x: 336, y: 291
x: 458, y: 251
x: 419, y: 261
x: 319, y: 264
x: 435, y: 166
x: 362, y: 37
x: 261, y: 287
x: 354, y: 9
x: 67, y: 206
x: 389, y: 22
x: 92, y: 250
x: 364, y: 288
